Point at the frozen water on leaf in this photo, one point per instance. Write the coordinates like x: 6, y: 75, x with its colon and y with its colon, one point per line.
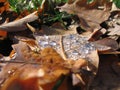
x: 74, y: 45
x: 49, y: 41
x: 86, y: 49
x: 46, y: 37
x: 43, y: 43
x: 77, y: 45
x: 75, y: 52
x: 71, y: 36
x: 53, y: 43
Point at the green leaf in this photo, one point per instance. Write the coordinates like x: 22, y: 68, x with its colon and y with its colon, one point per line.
x: 117, y: 3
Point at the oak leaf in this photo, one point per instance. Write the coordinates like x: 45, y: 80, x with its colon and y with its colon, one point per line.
x: 114, y: 31
x: 90, y: 17
x: 44, y: 72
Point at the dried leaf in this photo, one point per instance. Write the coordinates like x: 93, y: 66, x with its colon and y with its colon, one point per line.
x: 111, y: 52
x: 87, y: 69
x: 76, y: 79
x: 49, y: 60
x: 45, y: 30
x: 20, y: 24
x: 4, y: 6
x: 50, y: 70
x: 79, y: 64
x: 116, y: 67
x: 119, y: 44
x: 31, y: 28
x: 90, y: 17
x: 108, y: 42
x: 91, y: 69
x: 3, y: 33
x: 93, y: 59
x: 30, y: 42
x: 96, y: 34
x: 114, y: 31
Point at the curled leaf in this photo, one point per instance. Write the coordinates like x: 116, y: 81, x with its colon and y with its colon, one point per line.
x: 20, y: 24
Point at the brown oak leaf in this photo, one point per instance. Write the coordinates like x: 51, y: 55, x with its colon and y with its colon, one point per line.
x: 90, y: 16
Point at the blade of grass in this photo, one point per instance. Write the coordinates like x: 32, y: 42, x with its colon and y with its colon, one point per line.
x: 59, y: 82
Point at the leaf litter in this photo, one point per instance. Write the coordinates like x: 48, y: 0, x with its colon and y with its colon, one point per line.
x: 54, y: 52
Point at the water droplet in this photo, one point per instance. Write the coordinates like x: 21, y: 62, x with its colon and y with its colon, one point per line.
x: 43, y: 43
x: 46, y: 37
x: 53, y: 43
x: 75, y: 52
x: 71, y: 36
x: 66, y: 47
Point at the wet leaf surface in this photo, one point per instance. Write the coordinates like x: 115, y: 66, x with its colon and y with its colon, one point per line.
x: 82, y: 44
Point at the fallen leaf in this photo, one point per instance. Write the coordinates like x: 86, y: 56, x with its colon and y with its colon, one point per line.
x: 116, y: 67
x: 20, y: 24
x: 87, y: 69
x: 114, y: 31
x: 108, y: 42
x: 95, y: 35
x: 76, y: 81
x: 42, y: 73
x: 56, y: 31
x: 3, y: 33
x: 79, y: 64
x: 50, y: 60
x: 4, y: 6
x: 90, y: 17
x: 93, y: 60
